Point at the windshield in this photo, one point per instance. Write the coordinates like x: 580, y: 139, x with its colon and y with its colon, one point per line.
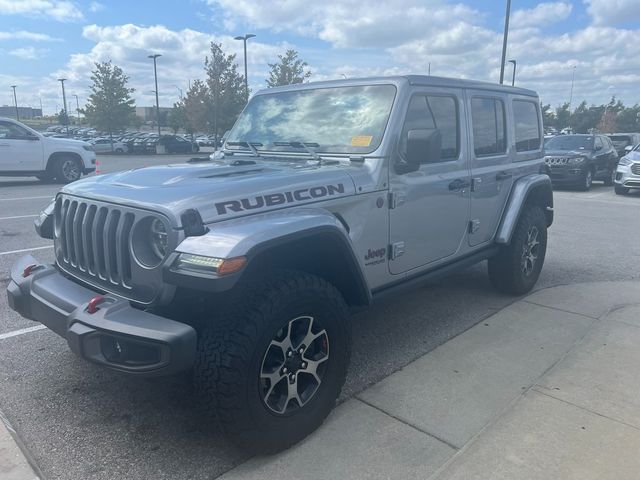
x: 618, y: 139
x: 335, y: 120
x: 570, y: 142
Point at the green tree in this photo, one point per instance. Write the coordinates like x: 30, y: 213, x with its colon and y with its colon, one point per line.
x: 548, y: 116
x: 197, y: 108
x: 226, y: 89
x: 607, y: 122
x: 109, y: 107
x: 628, y: 119
x: 289, y: 70
x: 176, y: 118
x: 563, y: 116
x: 62, y: 117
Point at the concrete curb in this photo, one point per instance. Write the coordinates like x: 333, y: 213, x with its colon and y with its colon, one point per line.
x: 15, y: 460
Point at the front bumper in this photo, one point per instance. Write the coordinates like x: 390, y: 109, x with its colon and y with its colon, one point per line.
x: 117, y: 335
x: 626, y: 177
x: 566, y: 174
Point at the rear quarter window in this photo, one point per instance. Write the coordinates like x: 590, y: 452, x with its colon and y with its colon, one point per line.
x: 527, y: 127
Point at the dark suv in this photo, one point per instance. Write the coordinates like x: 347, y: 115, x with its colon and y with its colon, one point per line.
x: 623, y: 140
x: 578, y: 160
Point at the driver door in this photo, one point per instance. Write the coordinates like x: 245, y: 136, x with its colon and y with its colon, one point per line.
x: 430, y: 206
x: 20, y: 150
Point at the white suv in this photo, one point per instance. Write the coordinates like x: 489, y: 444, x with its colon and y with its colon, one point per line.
x: 25, y: 152
x: 628, y: 172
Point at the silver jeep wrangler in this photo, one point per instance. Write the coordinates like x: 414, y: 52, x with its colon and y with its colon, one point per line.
x: 243, y: 268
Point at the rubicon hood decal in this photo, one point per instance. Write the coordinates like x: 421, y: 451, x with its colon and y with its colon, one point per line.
x: 279, y: 198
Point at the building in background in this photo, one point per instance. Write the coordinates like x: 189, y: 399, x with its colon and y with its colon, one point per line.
x: 26, y: 113
x: 148, y: 114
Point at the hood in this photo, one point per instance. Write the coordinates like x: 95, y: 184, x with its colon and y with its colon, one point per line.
x: 634, y: 156
x: 64, y: 142
x: 219, y: 190
x: 566, y: 153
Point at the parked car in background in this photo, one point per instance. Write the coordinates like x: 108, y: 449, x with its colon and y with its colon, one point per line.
x: 104, y: 145
x: 25, y: 152
x: 623, y: 140
x: 628, y: 172
x: 176, y: 144
x: 578, y: 160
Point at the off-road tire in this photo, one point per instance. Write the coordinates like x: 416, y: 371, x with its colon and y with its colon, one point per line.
x: 620, y: 189
x: 231, y: 354
x: 67, y: 170
x: 506, y: 268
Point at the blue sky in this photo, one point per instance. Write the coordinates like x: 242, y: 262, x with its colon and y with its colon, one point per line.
x: 41, y: 40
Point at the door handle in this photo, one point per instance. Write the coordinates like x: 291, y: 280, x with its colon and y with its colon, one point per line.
x: 503, y: 176
x: 459, y: 184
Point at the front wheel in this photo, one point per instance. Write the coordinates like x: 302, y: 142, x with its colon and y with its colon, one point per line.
x: 67, y: 170
x: 271, y: 372
x: 621, y: 190
x: 586, y: 180
x: 516, y: 268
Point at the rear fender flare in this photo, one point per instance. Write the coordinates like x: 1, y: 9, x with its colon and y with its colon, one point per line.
x: 531, y: 189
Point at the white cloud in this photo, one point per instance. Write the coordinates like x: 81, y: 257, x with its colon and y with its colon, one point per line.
x: 541, y: 15
x: 60, y: 10
x: 614, y: 12
x: 27, y: 53
x: 24, y: 35
x: 96, y: 7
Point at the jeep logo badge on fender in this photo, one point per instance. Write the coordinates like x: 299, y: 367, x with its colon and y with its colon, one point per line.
x: 274, y: 199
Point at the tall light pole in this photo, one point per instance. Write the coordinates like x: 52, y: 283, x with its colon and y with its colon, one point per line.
x: 15, y: 102
x: 513, y: 78
x: 504, y: 41
x: 64, y: 103
x: 573, y: 76
x: 179, y: 89
x: 77, y: 108
x: 244, y: 39
x: 155, y: 74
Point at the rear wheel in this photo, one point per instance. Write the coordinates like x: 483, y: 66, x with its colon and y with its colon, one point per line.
x: 67, y: 170
x: 621, y: 190
x: 611, y: 178
x: 272, y: 371
x: 516, y: 268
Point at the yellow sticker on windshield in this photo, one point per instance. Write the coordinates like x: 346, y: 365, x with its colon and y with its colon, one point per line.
x: 361, y: 141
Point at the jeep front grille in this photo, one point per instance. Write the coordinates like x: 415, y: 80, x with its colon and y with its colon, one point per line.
x: 556, y: 160
x: 635, y: 168
x: 93, y: 243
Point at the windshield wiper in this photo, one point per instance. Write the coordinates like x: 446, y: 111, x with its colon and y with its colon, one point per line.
x: 308, y: 146
x: 250, y: 145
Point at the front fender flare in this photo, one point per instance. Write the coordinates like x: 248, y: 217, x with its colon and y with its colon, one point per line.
x: 535, y: 187
x: 256, y: 234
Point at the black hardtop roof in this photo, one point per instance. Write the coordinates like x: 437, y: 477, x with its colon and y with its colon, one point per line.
x: 426, y: 80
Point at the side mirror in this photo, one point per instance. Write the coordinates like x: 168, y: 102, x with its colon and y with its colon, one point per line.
x: 423, y: 146
x: 628, y: 148
x: 598, y: 148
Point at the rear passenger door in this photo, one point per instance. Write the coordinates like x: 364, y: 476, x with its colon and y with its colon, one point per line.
x: 491, y: 166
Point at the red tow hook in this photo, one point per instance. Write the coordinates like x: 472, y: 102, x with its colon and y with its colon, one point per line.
x: 92, y: 307
x: 29, y: 269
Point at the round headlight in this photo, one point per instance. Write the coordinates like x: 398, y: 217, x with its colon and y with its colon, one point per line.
x: 159, y: 238
x: 150, y: 241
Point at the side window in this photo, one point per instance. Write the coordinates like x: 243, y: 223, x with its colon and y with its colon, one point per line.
x: 12, y: 132
x: 527, y: 128
x: 432, y: 112
x: 598, y: 144
x: 487, y: 115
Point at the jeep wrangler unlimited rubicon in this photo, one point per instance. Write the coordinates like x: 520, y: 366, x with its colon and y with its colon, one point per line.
x: 324, y: 197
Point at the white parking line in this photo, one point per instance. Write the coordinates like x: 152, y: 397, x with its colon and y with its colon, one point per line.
x: 15, y: 333
x: 18, y: 216
x: 25, y: 198
x: 10, y: 252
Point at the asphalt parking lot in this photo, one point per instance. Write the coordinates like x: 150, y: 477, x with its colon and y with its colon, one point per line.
x: 81, y: 422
